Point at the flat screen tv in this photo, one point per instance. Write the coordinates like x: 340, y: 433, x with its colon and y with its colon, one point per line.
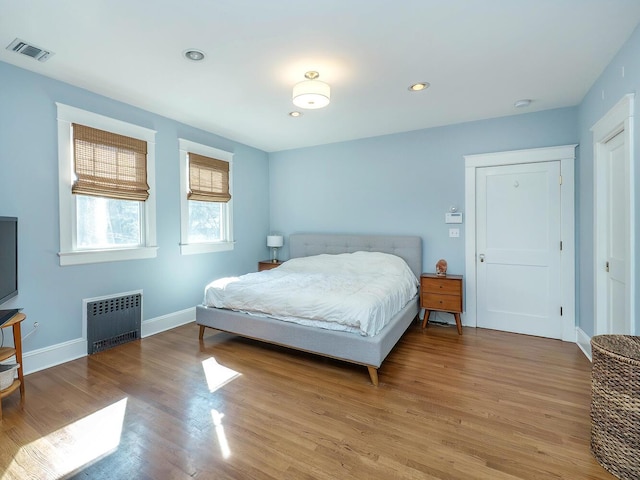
x: 8, y: 258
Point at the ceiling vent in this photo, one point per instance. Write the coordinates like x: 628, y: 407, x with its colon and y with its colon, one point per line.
x: 24, y: 48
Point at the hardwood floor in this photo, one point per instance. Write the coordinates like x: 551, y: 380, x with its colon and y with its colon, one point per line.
x: 484, y: 405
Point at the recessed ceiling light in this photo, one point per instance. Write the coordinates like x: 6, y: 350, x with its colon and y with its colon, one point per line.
x: 295, y: 114
x: 193, y: 54
x: 525, y: 102
x: 416, y: 87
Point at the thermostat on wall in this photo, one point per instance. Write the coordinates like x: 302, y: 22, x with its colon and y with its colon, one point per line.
x: 455, y: 217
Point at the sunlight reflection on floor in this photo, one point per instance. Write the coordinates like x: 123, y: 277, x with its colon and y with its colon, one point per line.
x: 217, y: 375
x: 82, y: 442
x: 222, y: 438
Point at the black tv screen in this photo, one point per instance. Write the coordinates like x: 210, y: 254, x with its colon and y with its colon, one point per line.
x: 8, y: 258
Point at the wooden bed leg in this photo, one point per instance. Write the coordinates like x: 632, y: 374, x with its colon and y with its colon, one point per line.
x: 201, y: 335
x: 373, y: 373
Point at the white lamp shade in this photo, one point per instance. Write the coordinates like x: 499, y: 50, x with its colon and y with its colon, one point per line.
x: 275, y: 241
x: 311, y: 94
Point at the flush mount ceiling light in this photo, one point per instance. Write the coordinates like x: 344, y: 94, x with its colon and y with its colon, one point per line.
x: 525, y: 102
x: 416, y: 87
x: 295, y: 114
x: 311, y: 93
x: 193, y: 54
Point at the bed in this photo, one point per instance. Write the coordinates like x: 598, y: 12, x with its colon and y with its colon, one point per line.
x: 369, y: 351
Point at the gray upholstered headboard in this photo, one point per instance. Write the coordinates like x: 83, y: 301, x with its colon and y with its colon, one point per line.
x: 407, y: 247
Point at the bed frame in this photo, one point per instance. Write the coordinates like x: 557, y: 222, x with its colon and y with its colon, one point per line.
x: 354, y: 348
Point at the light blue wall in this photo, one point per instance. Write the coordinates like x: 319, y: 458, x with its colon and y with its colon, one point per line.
x: 593, y: 107
x: 402, y: 183
x: 52, y: 295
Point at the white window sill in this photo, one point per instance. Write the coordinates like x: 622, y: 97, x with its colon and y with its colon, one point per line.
x: 197, y: 248
x: 81, y: 257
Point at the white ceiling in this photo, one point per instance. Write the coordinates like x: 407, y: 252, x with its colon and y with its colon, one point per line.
x: 479, y: 56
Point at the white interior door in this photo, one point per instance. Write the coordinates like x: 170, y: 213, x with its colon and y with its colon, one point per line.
x: 616, y: 197
x: 518, y: 235
x: 614, y: 220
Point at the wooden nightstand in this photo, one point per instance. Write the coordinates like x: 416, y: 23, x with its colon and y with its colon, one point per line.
x: 268, y: 264
x: 441, y: 294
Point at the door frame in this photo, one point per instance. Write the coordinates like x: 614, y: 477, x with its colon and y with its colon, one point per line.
x: 618, y: 120
x: 565, y: 154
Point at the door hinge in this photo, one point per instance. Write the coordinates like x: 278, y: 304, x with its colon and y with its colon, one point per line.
x: 607, y: 266
x: 560, y: 244
x: 560, y: 179
x: 560, y: 311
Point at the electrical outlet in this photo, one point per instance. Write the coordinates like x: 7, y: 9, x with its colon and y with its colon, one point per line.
x: 454, y: 232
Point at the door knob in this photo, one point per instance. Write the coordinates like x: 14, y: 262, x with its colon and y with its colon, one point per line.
x: 482, y: 258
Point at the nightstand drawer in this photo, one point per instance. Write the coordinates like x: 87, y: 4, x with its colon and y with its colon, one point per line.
x: 441, y: 286
x: 447, y: 303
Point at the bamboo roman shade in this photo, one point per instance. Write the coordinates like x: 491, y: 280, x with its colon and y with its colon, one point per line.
x: 208, y: 179
x: 109, y: 165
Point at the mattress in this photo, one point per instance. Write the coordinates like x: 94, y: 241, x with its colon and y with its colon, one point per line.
x: 354, y: 292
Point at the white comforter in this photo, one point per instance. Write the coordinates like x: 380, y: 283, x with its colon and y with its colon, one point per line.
x: 358, y: 291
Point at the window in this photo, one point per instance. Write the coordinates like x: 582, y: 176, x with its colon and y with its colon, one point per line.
x: 106, y: 194
x: 205, y: 199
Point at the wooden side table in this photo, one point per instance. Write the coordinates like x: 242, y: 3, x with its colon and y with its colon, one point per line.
x: 268, y: 264
x: 441, y: 294
x: 8, y: 352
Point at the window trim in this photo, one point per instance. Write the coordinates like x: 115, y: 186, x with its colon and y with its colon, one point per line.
x: 69, y: 254
x: 186, y: 248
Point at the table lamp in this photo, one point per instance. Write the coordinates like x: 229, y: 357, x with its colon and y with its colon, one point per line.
x: 275, y: 242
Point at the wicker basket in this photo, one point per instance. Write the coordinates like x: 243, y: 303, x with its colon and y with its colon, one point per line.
x: 7, y: 374
x: 615, y: 404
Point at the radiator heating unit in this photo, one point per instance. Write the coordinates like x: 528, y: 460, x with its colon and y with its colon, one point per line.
x: 113, y: 321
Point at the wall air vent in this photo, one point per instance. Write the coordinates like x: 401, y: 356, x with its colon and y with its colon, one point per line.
x: 24, y: 48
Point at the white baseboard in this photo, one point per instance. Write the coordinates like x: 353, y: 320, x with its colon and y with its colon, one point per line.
x: 167, y: 322
x: 584, y: 342
x: 444, y: 317
x: 47, y: 357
